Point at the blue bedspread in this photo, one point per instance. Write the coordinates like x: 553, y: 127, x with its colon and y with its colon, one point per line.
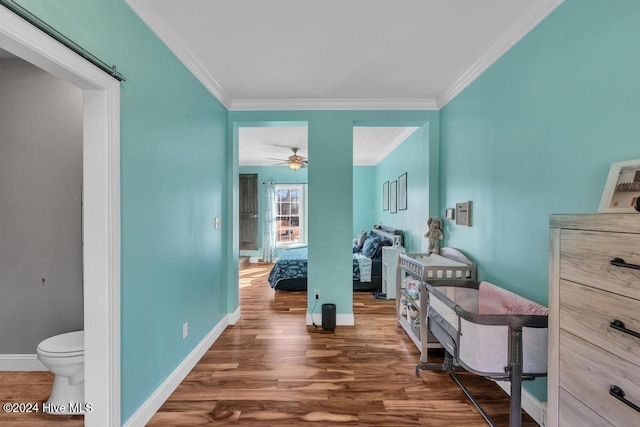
x: 292, y: 264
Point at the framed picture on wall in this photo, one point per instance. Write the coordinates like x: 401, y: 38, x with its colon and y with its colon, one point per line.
x: 622, y: 190
x: 393, y: 199
x: 385, y: 196
x: 402, y: 192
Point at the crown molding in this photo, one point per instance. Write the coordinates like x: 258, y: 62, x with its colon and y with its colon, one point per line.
x: 333, y: 104
x: 528, y: 20
x: 148, y: 13
x: 525, y: 23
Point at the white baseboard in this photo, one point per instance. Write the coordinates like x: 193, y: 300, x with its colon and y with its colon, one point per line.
x: 147, y: 410
x: 234, y: 317
x: 341, y: 319
x: 21, y: 362
x: 254, y: 259
x: 530, y: 404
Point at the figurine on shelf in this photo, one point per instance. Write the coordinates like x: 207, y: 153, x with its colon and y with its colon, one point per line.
x: 434, y: 234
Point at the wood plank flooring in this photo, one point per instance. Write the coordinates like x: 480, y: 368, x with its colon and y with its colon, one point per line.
x: 271, y: 369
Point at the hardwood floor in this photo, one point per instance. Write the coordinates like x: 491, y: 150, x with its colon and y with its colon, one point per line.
x: 270, y: 369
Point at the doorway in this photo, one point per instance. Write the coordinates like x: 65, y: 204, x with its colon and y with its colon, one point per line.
x: 101, y: 212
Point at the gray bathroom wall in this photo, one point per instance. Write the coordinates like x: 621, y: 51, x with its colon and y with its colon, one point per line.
x: 40, y: 207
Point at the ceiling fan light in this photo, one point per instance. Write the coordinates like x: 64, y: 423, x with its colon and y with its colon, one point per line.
x: 295, y: 165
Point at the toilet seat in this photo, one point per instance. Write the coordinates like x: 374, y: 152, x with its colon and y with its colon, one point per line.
x: 64, y: 345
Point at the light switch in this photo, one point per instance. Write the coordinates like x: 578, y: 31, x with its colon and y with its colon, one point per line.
x: 217, y: 222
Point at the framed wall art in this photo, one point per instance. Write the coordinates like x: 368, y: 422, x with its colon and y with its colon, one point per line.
x: 385, y: 196
x: 402, y: 192
x: 393, y: 197
x: 622, y: 190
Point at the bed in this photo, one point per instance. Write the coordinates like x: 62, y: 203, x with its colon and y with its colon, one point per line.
x: 289, y: 273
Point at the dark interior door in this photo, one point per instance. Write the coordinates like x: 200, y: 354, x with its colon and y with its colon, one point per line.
x: 248, y: 211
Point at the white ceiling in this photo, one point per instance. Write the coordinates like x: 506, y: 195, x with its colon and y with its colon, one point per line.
x: 370, y: 144
x: 337, y: 54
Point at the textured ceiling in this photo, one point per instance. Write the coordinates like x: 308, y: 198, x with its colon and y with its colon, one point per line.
x: 371, y: 144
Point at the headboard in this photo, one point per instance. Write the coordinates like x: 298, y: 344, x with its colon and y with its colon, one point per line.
x: 388, y: 233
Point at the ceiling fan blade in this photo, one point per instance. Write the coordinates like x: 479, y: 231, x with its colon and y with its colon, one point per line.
x: 282, y: 160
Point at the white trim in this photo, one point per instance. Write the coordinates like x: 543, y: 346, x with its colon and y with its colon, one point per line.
x: 525, y: 23
x: 234, y: 317
x: 148, y: 409
x: 21, y: 362
x: 332, y: 104
x: 528, y: 20
x: 101, y: 229
x: 147, y: 11
x: 530, y: 404
x: 254, y: 260
x: 341, y: 319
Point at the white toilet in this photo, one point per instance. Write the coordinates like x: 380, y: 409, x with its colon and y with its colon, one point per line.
x: 63, y: 355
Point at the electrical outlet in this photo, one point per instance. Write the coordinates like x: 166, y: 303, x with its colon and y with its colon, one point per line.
x: 316, y: 293
x: 543, y: 415
x: 185, y: 330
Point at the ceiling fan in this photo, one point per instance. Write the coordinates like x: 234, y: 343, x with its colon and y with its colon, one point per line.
x: 294, y: 161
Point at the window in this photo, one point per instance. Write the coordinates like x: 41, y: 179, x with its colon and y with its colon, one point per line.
x: 291, y: 214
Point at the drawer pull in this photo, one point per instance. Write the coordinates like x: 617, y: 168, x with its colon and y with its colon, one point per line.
x: 619, y: 262
x: 617, y: 392
x: 619, y: 325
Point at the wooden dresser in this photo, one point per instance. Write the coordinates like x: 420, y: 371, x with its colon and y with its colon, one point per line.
x: 594, y: 320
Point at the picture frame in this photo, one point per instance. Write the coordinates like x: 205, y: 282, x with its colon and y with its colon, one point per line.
x: 393, y: 197
x: 385, y: 196
x: 402, y: 192
x: 622, y: 189
x: 463, y: 214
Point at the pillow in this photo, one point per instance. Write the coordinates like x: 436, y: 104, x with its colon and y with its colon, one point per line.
x: 359, y: 241
x: 370, y: 245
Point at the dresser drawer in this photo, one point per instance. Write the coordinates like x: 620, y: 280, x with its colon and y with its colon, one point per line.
x: 573, y: 413
x: 587, y: 313
x: 587, y: 372
x: 585, y: 258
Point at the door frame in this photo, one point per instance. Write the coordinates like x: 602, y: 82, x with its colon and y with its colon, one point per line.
x: 101, y: 213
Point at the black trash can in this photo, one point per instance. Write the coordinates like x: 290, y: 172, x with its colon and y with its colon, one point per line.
x: 328, y: 317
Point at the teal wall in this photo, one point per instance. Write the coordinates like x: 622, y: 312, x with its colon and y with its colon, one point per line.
x: 174, y: 174
x: 536, y: 134
x: 331, y: 180
x: 277, y: 174
x: 410, y: 157
x: 364, y: 200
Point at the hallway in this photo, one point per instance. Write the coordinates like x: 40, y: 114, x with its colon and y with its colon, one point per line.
x: 271, y: 369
